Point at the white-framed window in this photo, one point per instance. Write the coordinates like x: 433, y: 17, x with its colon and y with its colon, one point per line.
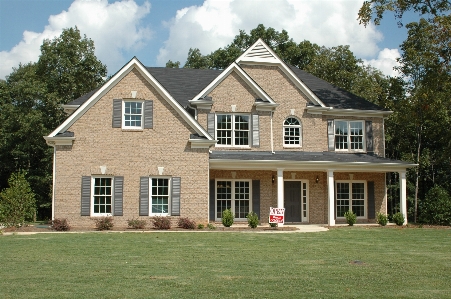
x: 102, y: 196
x: 235, y: 195
x: 233, y: 130
x: 292, y: 132
x: 132, y: 114
x: 351, y: 195
x: 349, y: 135
x: 160, y: 196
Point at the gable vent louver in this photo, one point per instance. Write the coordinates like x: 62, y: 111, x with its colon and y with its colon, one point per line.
x: 259, y: 51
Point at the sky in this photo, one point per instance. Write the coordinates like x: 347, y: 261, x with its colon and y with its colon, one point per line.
x: 156, y: 31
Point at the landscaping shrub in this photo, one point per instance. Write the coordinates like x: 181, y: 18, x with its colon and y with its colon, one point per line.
x: 137, y: 223
x: 398, y: 218
x: 252, y: 219
x: 200, y: 226
x: 160, y: 222
x: 382, y: 219
x: 436, y: 207
x: 227, y: 218
x: 211, y: 226
x: 273, y: 224
x: 186, y: 223
x: 351, y: 218
x: 60, y: 225
x: 104, y: 223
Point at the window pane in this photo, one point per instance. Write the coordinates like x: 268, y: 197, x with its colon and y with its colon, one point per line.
x: 132, y: 114
x: 160, y: 196
x: 102, y: 196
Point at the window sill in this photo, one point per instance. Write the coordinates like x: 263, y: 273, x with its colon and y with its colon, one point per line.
x: 132, y: 130
x: 232, y: 148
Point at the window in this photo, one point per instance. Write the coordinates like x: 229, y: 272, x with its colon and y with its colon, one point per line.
x: 232, y: 129
x: 349, y: 135
x: 102, y: 196
x: 160, y: 196
x: 292, y: 132
x: 351, y: 196
x: 235, y: 195
x: 133, y: 113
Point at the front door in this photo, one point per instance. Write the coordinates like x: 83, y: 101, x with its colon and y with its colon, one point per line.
x: 292, y: 201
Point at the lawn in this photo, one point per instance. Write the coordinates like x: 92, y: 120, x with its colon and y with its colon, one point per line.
x: 347, y: 262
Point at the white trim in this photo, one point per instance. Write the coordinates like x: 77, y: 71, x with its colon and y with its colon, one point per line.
x: 52, y: 141
x: 232, y: 197
x: 349, y: 150
x: 280, y: 191
x: 292, y: 126
x: 124, y: 127
x: 233, y: 145
x: 350, y: 199
x: 347, y: 112
x: 202, y: 143
x: 93, y: 177
x: 169, y: 178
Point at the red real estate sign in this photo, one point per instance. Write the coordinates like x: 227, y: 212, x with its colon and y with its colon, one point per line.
x: 276, y: 215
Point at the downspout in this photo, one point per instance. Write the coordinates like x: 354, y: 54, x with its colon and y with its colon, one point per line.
x: 272, y: 140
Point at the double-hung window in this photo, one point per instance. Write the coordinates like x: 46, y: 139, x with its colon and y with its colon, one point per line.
x: 292, y: 132
x: 234, y: 195
x: 132, y: 114
x: 160, y: 196
x: 102, y: 203
x: 351, y: 196
x: 233, y: 129
x: 349, y: 135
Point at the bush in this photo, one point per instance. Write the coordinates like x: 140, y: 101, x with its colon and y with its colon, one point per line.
x: 104, y: 223
x: 200, y: 226
x: 351, y: 218
x: 211, y: 226
x: 398, y: 218
x: 273, y: 224
x: 136, y: 223
x: 160, y: 222
x: 382, y: 219
x: 60, y: 225
x: 227, y: 218
x: 186, y: 223
x: 436, y: 208
x: 252, y: 219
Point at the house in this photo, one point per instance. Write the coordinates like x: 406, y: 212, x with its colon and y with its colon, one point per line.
x: 193, y: 142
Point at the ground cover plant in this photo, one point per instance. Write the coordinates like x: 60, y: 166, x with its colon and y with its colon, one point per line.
x: 345, y: 262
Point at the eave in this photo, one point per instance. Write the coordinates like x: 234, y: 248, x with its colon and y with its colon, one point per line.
x: 53, y: 141
x: 69, y: 109
x: 347, y: 112
x: 202, y: 143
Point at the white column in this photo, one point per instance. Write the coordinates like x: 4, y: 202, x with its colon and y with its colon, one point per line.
x: 403, y: 194
x: 330, y: 198
x: 280, y: 190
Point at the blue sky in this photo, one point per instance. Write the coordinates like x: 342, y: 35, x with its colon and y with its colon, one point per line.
x: 158, y: 30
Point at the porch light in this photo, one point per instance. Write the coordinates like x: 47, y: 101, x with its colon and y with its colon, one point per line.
x: 317, y: 179
x: 273, y: 179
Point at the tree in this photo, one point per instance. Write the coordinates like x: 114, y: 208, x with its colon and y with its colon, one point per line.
x: 17, y: 203
x: 173, y: 65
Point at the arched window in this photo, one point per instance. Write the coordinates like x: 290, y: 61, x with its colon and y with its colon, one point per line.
x: 292, y: 132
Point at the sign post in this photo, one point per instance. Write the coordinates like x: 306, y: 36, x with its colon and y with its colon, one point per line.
x: 277, y: 215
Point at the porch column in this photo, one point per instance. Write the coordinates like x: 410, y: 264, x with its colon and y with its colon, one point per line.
x: 403, y: 194
x: 280, y: 190
x: 330, y: 198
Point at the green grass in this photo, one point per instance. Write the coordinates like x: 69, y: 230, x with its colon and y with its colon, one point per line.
x: 395, y: 263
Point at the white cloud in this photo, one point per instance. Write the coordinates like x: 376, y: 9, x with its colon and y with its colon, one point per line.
x: 215, y: 24
x: 113, y: 27
x: 386, y: 61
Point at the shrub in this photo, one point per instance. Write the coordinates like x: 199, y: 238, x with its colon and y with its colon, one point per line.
x: 211, y: 226
x: 252, y: 219
x: 160, y: 222
x: 104, y: 223
x: 186, y: 223
x: 60, y: 225
x: 273, y: 224
x: 398, y: 218
x: 382, y: 219
x: 351, y: 218
x: 436, y: 207
x: 136, y: 223
x: 227, y: 218
x: 200, y: 226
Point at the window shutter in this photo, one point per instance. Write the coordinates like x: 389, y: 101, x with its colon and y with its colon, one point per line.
x: 175, y: 204
x: 212, y: 200
x: 144, y: 196
x: 148, y: 114
x: 255, y: 131
x: 371, y: 201
x: 118, y: 195
x: 331, y: 135
x: 211, y: 124
x: 117, y: 113
x: 369, y: 136
x: 85, y: 196
x: 256, y: 197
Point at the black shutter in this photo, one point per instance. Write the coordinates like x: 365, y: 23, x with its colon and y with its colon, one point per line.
x: 148, y: 114
x: 256, y: 197
x: 212, y: 200
x: 369, y: 136
x: 117, y: 113
x: 118, y: 195
x: 255, y: 131
x: 85, y: 196
x: 371, y: 201
x: 144, y: 196
x: 211, y: 124
x: 330, y: 135
x: 175, y: 205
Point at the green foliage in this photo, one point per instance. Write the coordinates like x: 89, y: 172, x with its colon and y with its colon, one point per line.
x: 136, y: 223
x: 17, y: 203
x: 186, y: 223
x: 252, y: 219
x: 200, y: 226
x: 104, y: 223
x: 160, y: 222
x: 211, y: 226
x: 382, y: 219
x: 273, y: 224
x: 227, y: 218
x: 173, y: 65
x: 436, y: 208
x: 398, y: 219
x: 351, y: 217
x: 60, y: 225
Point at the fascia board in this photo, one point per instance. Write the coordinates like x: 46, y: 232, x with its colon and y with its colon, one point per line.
x: 199, y: 143
x: 52, y: 141
x: 348, y: 112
